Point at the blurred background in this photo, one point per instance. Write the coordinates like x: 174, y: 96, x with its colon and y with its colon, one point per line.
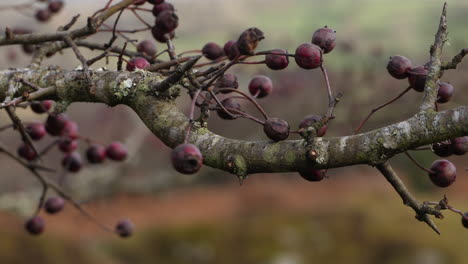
x: 354, y: 216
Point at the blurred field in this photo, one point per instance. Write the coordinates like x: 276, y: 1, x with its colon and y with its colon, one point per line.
x: 353, y: 217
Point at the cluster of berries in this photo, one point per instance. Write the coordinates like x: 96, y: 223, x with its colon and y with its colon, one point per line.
x: 53, y: 7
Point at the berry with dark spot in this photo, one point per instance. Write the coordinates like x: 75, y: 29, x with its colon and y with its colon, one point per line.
x: 308, y: 56
x: 445, y: 92
x: 276, y: 129
x: 460, y: 145
x: 55, y: 6
x: 260, y: 86
x: 228, y: 103
x: 137, y: 63
x: 325, y: 38
x: 212, y: 51
x: 186, y: 158
x: 124, y: 228
x: 417, y: 78
x: 443, y: 149
x: 35, y: 225
x: 72, y: 162
x: 313, y: 175
x: 157, y: 9
x: 275, y: 61
x: 55, y: 124
x: 310, y: 120
x: 167, y: 21
x: 54, y: 205
x: 43, y: 15
x: 96, y: 154
x: 147, y: 47
x: 116, y: 151
x: 40, y: 107
x: 26, y: 152
x: 36, y: 130
x: 67, y: 145
x: 248, y: 41
x: 228, y: 80
x: 399, y: 66
x: 443, y: 173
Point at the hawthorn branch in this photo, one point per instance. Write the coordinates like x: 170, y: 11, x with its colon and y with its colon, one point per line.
x: 456, y: 60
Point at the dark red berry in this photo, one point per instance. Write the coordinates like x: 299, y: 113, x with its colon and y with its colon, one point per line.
x: 313, y: 175
x: 227, y: 47
x: 35, y: 225
x: 160, y: 35
x: 42, y: 106
x: 67, y: 145
x: 417, y: 78
x: 228, y: 80
x: 186, y: 158
x: 212, y: 51
x: 36, y: 130
x: 55, y: 6
x: 465, y: 220
x: 276, y: 129
x: 137, y: 63
x: 43, y: 15
x: 325, y: 38
x: 443, y: 149
x: 116, y: 151
x: 147, y: 47
x: 167, y: 21
x: 54, y: 205
x: 308, y: 56
x: 70, y: 130
x: 445, y: 92
x: 55, y: 124
x: 233, y: 52
x: 28, y: 48
x: 124, y: 228
x: 228, y: 103
x: 96, y: 154
x: 157, y: 9
x: 398, y: 67
x: 460, y: 145
x: 443, y: 173
x: 260, y: 86
x: 248, y: 41
x: 26, y: 152
x: 310, y: 120
x: 72, y: 162
x: 275, y: 61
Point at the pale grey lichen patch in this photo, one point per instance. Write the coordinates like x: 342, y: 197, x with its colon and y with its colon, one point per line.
x: 321, y: 147
x: 124, y: 88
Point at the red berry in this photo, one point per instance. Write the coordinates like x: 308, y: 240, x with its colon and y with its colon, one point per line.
x: 157, y: 9
x: 137, y: 63
x: 54, y: 205
x: 96, y: 154
x: 276, y: 129
x: 212, y: 51
x: 233, y: 52
x: 465, y: 220
x: 445, y: 92
x: 260, y: 86
x: 72, y: 162
x: 55, y: 6
x: 167, y: 21
x: 443, y: 149
x: 325, y: 38
x: 312, y: 175
x: 443, y: 173
x: 67, y: 145
x: 308, y: 56
x: 35, y: 225
x: 42, y: 106
x: 460, y: 145
x: 227, y: 47
x: 43, y: 15
x: 70, y: 130
x: 26, y: 152
x: 155, y: 2
x: 160, y: 35
x: 248, y: 41
x: 398, y: 67
x: 277, y: 62
x: 417, y: 78
x: 228, y: 103
x: 55, y: 124
x: 310, y: 120
x: 124, y: 228
x: 147, y: 47
x: 36, y: 130
x: 228, y: 80
x: 116, y: 151
x: 186, y: 158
